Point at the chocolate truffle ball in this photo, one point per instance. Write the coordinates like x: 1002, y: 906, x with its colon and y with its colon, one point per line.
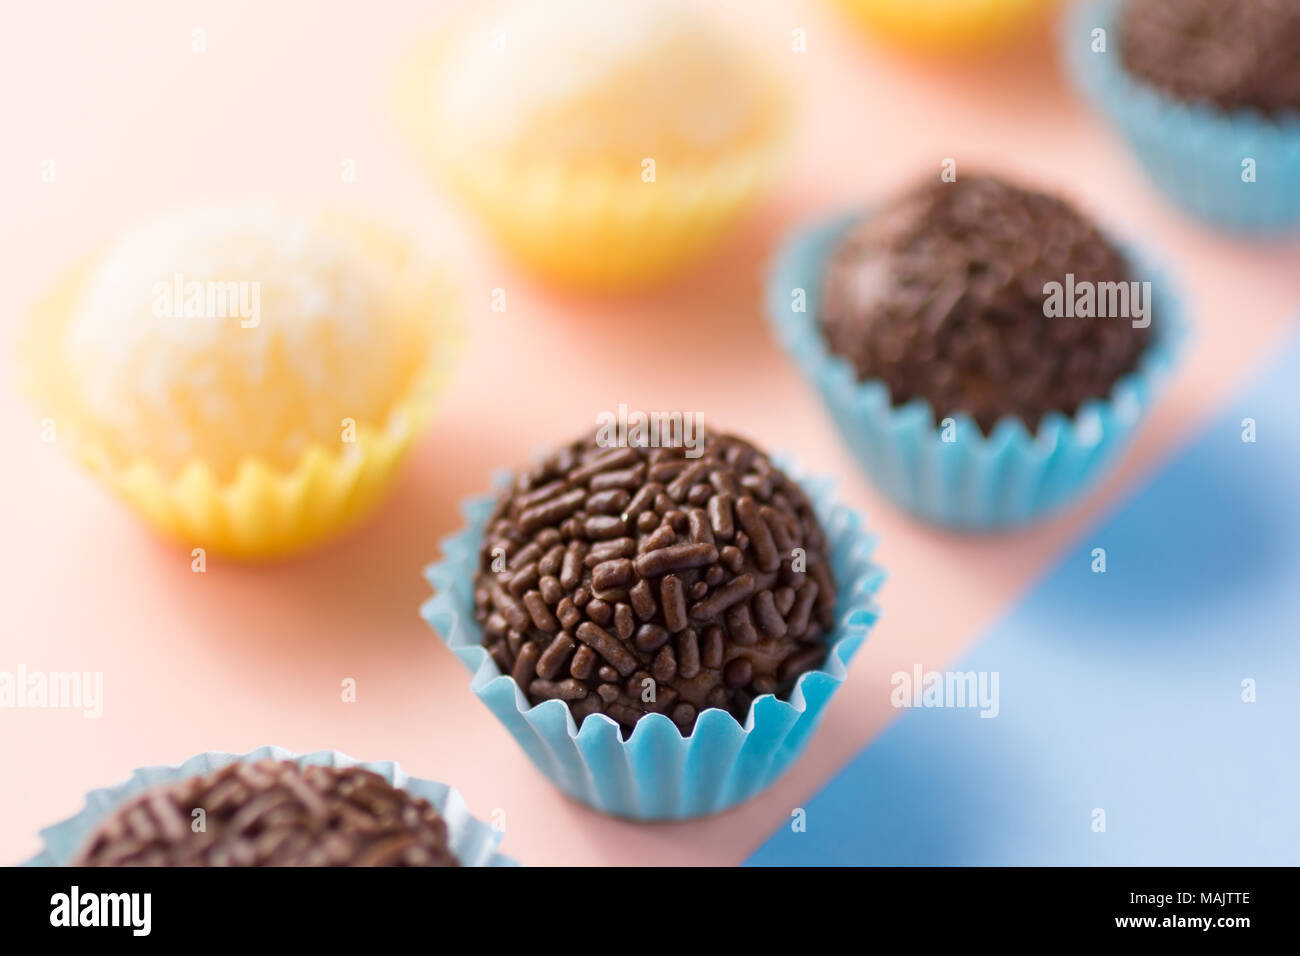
x: 632, y: 580
x: 1239, y: 55
x: 940, y: 295
x: 273, y: 813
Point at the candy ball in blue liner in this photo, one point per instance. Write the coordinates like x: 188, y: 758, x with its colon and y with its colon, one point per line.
x: 468, y: 840
x: 664, y: 579
x: 1206, y: 93
x: 659, y: 771
x: 956, y: 335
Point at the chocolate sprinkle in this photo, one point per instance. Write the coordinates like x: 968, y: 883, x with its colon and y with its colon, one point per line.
x: 687, y: 598
x: 1236, y: 54
x: 273, y: 813
x: 940, y: 296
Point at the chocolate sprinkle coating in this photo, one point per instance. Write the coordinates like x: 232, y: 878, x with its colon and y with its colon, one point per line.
x: 1236, y: 54
x: 632, y: 580
x: 940, y: 296
x: 273, y: 813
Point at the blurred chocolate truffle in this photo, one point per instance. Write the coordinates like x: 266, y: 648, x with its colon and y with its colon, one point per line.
x: 941, y: 295
x: 628, y: 580
x: 1239, y: 55
x: 273, y: 813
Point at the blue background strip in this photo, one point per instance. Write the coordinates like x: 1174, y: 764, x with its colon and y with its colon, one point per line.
x: 1119, y: 691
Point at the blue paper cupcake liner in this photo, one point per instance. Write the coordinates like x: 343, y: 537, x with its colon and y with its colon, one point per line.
x: 975, y: 482
x: 657, y: 773
x: 1192, y: 151
x: 472, y: 841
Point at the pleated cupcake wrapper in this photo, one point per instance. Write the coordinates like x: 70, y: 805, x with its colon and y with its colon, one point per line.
x: 262, y: 510
x: 472, y: 841
x: 657, y: 773
x: 945, y: 25
x: 974, y: 482
x: 596, y: 227
x: 1193, y: 152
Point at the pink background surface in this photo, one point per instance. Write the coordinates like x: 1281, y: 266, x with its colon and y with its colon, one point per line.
x: 242, y: 656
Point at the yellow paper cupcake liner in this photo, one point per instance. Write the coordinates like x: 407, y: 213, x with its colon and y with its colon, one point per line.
x: 262, y: 511
x: 599, y: 227
x: 945, y: 25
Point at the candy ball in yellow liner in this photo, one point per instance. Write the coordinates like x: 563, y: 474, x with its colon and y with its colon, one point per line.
x: 605, y: 145
x: 947, y: 25
x: 247, y: 378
